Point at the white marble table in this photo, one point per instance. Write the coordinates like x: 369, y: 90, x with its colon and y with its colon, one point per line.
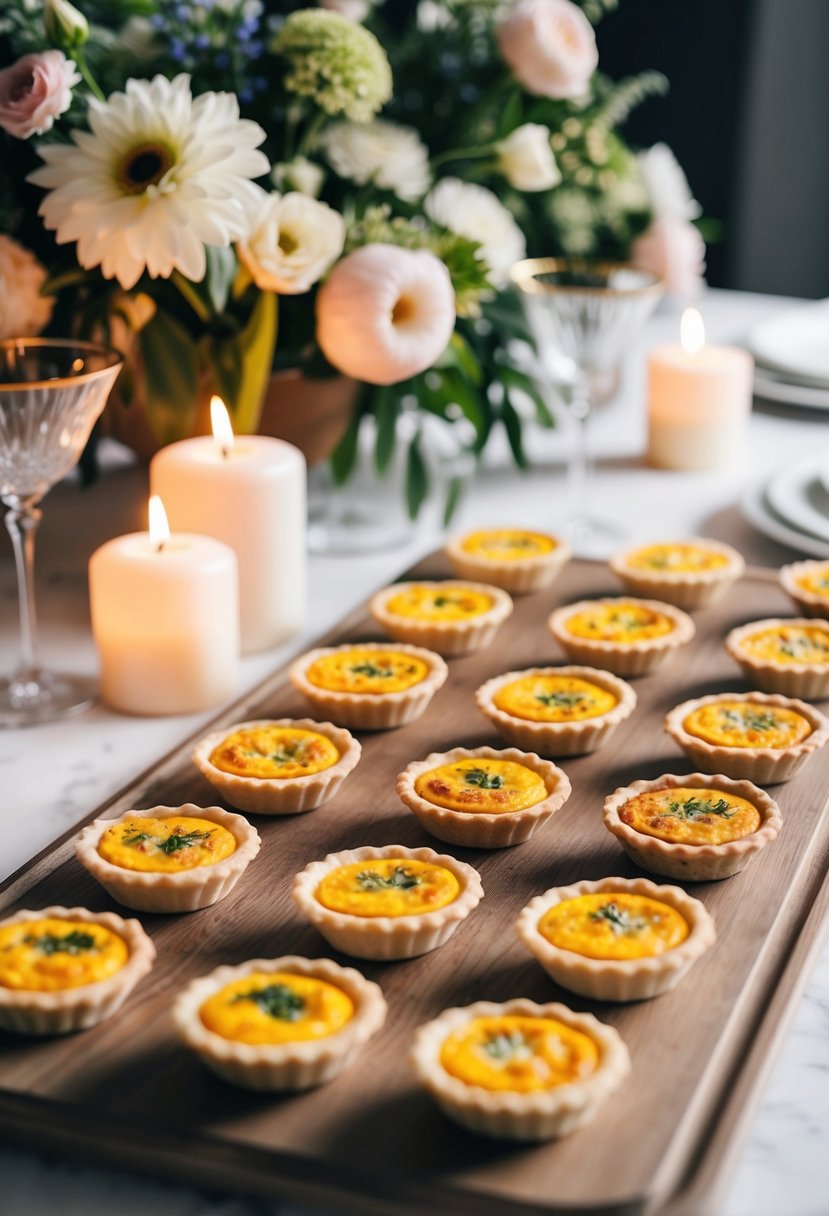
x: 54, y: 775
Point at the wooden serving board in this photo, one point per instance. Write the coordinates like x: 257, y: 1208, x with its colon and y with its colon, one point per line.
x: 127, y: 1093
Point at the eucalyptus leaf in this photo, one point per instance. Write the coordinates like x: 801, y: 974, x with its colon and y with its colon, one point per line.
x: 344, y: 456
x: 511, y: 114
x: 512, y: 378
x: 170, y: 362
x: 512, y: 424
x: 453, y: 498
x: 417, y: 478
x: 386, y: 412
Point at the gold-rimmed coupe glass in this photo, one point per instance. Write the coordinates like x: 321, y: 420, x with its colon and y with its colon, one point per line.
x: 51, y: 393
x: 584, y: 315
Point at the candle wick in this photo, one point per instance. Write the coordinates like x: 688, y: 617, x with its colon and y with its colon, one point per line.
x: 160, y: 547
x: 225, y: 450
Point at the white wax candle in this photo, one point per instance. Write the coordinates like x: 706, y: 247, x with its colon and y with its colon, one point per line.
x: 252, y: 496
x: 698, y: 404
x: 166, y: 623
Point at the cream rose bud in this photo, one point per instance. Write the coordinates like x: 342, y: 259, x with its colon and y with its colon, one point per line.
x: 35, y: 91
x: 550, y: 46
x: 666, y: 184
x: 292, y: 242
x: 354, y: 10
x: 385, y: 313
x: 673, y: 249
x: 65, y: 26
x: 299, y: 174
x: 24, y: 312
x: 526, y: 158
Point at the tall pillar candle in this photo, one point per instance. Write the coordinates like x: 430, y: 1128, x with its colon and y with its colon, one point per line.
x: 165, y: 616
x: 699, y: 399
x: 249, y: 493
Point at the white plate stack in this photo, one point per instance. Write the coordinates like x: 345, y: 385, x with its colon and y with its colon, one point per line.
x: 792, y: 506
x: 791, y: 355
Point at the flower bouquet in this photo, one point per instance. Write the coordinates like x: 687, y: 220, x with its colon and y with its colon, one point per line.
x: 226, y: 188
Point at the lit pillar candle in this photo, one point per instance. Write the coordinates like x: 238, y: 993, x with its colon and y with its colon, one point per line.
x: 165, y: 616
x: 699, y: 398
x: 250, y: 493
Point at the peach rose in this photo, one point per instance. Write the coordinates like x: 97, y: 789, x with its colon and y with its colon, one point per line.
x: 674, y: 249
x: 34, y: 91
x: 385, y: 313
x: 550, y: 46
x: 24, y: 312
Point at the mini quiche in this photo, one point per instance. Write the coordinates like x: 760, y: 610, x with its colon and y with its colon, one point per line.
x: 518, y: 1070
x: 279, y: 1024
x: 168, y: 858
x: 450, y: 618
x: 514, y: 559
x: 281, y: 766
x: 387, y: 903
x: 556, y: 711
x: 756, y: 736
x: 688, y: 573
x: 482, y: 798
x: 65, y: 969
x: 369, y: 685
x: 627, y: 636
x: 618, y: 939
x: 697, y: 827
x: 807, y: 583
x: 786, y: 656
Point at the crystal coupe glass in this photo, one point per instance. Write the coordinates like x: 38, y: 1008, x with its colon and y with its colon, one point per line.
x: 584, y: 315
x: 51, y: 393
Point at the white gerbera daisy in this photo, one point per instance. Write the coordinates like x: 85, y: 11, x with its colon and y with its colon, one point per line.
x: 476, y: 213
x: 159, y: 176
x: 393, y: 157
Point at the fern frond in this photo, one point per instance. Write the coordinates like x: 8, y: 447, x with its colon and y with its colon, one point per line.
x: 625, y: 96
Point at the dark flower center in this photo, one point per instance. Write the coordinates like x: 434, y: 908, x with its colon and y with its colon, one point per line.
x: 144, y: 166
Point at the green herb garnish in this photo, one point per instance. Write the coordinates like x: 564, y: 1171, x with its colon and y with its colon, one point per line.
x: 562, y: 700
x: 74, y: 942
x: 276, y: 1000
x: 400, y: 879
x: 506, y: 1047
x: 749, y: 719
x: 371, y: 669
x: 621, y: 922
x: 483, y: 779
x: 698, y: 808
x: 173, y: 844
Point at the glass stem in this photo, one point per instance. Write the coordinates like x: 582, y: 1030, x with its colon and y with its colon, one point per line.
x: 22, y: 520
x: 580, y: 470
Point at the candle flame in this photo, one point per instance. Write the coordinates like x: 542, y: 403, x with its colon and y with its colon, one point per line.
x: 159, y: 527
x: 692, y: 331
x: 220, y: 421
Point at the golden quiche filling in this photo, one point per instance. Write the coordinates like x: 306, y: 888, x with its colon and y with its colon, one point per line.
x: 554, y: 699
x: 614, y: 925
x: 165, y: 846
x: 52, y: 954
x: 518, y: 1052
x: 274, y: 751
x: 507, y: 544
x: 452, y: 602
x: 815, y: 581
x: 691, y: 816
x: 367, y: 670
x: 388, y: 886
x: 788, y: 645
x: 491, y: 787
x: 747, y: 724
x: 277, y: 1008
x: 619, y: 622
x: 676, y: 558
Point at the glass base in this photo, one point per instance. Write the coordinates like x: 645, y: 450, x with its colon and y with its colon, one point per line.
x: 43, y: 696
x: 590, y: 537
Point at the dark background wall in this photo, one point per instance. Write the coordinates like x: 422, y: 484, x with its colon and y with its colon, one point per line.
x: 748, y: 118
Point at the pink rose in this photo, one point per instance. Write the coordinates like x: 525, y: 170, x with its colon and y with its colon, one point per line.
x: 550, y: 46
x: 34, y: 91
x: 674, y: 249
x: 24, y: 312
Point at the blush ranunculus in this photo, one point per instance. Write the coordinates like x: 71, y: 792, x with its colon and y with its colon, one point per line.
x: 550, y: 46
x: 674, y: 249
x: 24, y: 312
x: 35, y: 91
x: 385, y: 313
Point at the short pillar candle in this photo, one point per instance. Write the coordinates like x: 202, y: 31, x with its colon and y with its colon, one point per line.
x: 165, y: 617
x: 250, y: 493
x: 699, y: 399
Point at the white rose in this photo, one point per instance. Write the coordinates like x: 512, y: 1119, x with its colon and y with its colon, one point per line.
x: 24, y: 312
x: 292, y: 242
x: 299, y: 174
x: 666, y: 184
x: 673, y: 249
x: 475, y: 212
x: 392, y: 157
x: 550, y: 46
x: 354, y: 10
x: 526, y: 158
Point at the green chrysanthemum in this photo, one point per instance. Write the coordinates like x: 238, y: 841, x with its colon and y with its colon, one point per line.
x: 336, y: 62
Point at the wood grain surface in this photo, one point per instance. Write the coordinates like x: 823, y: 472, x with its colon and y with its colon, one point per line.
x: 127, y: 1093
